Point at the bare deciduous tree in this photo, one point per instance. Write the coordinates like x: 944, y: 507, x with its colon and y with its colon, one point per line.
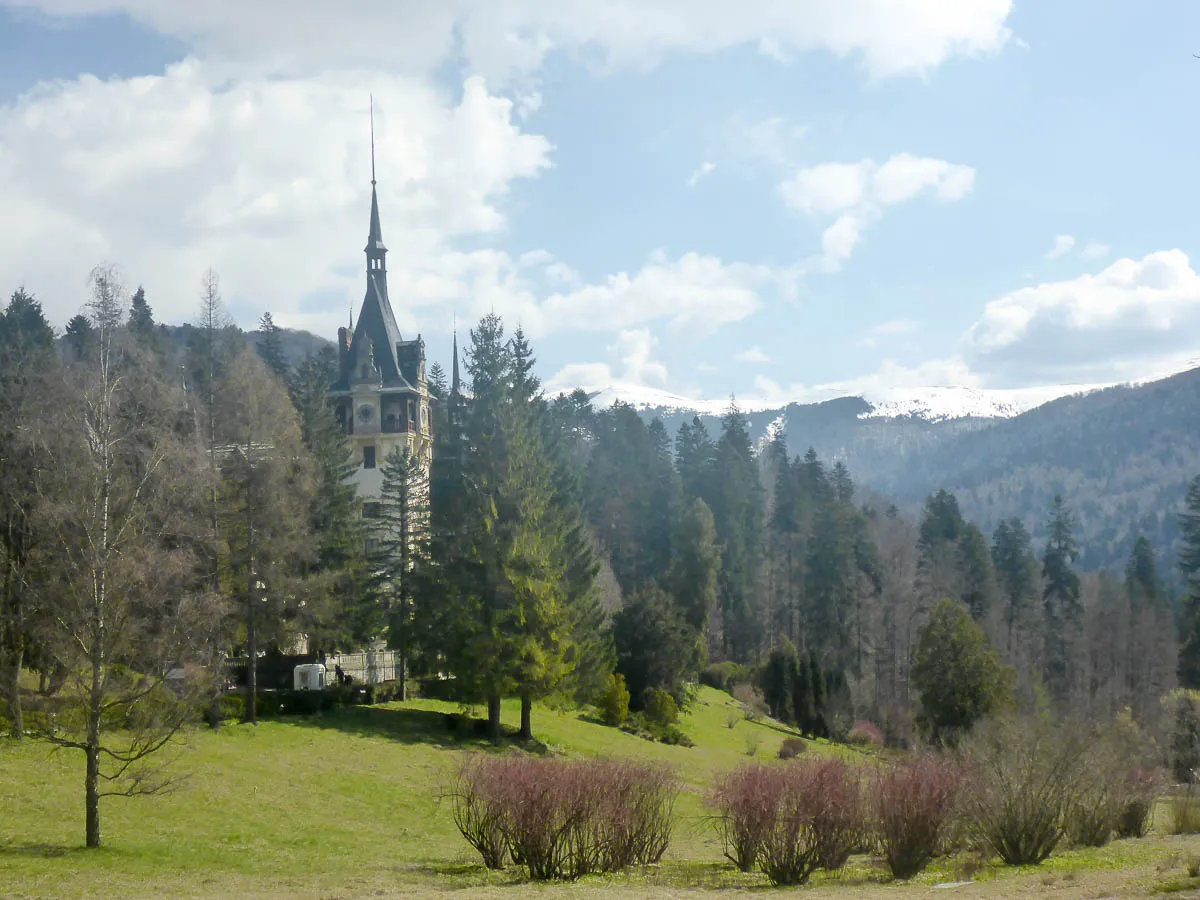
x: 128, y: 615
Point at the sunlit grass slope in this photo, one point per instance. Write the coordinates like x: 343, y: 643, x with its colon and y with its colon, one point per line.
x: 348, y: 797
x: 345, y: 805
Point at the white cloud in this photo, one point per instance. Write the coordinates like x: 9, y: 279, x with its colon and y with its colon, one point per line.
x: 705, y: 169
x: 827, y: 188
x: 266, y: 180
x: 890, y: 37
x: 1063, y: 243
x: 695, y: 291
x: 751, y: 356
x: 858, y: 192
x: 1133, y: 319
x: 904, y: 176
x: 633, y: 351
x: 1095, y: 250
x: 888, y: 329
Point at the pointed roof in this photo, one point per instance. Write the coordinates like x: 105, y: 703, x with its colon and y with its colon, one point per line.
x: 455, y: 383
x: 375, y: 245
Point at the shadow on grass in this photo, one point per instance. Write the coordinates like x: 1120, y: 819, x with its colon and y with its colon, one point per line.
x: 42, y: 851
x: 414, y: 726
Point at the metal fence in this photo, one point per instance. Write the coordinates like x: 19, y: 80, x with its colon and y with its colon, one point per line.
x: 370, y: 667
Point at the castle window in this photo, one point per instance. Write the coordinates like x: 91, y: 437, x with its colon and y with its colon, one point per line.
x: 372, y: 510
x: 368, y: 457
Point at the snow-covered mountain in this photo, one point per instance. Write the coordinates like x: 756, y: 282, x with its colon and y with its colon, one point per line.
x: 930, y: 404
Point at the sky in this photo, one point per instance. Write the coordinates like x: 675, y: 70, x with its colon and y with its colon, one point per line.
x: 779, y: 199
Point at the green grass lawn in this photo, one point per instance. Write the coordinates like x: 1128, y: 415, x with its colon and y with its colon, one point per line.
x: 345, y: 805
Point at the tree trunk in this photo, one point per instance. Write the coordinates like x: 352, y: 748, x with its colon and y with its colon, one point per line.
x: 403, y: 676
x: 494, y: 718
x: 526, y: 718
x: 16, y: 719
x: 91, y: 786
x: 251, y: 664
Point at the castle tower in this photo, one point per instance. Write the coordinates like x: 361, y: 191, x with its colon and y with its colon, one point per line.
x: 381, y: 396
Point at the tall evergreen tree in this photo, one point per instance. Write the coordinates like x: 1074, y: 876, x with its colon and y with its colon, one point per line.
x: 27, y: 368
x: 736, y: 500
x: 977, y: 572
x: 141, y: 318
x: 270, y: 347
x: 344, y: 613
x: 1060, y: 599
x: 401, y: 529
x: 81, y: 337
x: 1189, y: 567
x: 695, y: 455
x: 439, y: 386
x: 1016, y: 572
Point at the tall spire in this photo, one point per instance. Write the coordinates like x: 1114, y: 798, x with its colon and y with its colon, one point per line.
x: 376, y: 250
x: 455, y: 383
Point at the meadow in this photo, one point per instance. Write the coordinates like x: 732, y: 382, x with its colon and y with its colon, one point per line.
x: 346, y: 804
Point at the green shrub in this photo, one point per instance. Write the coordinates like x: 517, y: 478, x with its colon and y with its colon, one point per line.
x: 724, y: 676
x: 1182, y: 709
x: 661, y: 708
x: 672, y: 734
x: 614, y: 704
x: 792, y: 747
x: 1185, y: 812
x: 1029, y: 774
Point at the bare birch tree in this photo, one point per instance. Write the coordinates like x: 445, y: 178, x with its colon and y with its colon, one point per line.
x: 127, y: 612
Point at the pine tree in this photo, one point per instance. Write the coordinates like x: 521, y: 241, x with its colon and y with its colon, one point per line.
x: 81, y: 337
x: 977, y: 572
x: 270, y: 347
x: 655, y: 647
x: 775, y: 680
x: 439, y: 386
x: 695, y: 564
x: 402, y: 532
x: 816, y: 682
x: 345, y: 612
x: 695, y: 454
x: 27, y: 371
x: 1141, y: 575
x: 803, y: 711
x: 1060, y: 599
x: 1189, y: 567
x: 1016, y: 572
x: 736, y: 500
x: 141, y: 319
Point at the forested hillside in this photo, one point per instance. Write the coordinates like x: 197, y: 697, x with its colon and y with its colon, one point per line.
x: 1122, y: 457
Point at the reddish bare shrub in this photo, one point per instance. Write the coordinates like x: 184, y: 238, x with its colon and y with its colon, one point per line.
x: 865, y: 734
x: 746, y: 801
x: 818, y: 821
x: 839, y: 812
x: 633, y: 816
x: 562, y: 820
x: 791, y: 748
x: 914, y: 802
x: 1139, y: 789
x: 549, y: 819
x: 479, y: 801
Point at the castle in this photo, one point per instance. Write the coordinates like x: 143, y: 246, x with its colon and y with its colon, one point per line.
x: 381, y: 396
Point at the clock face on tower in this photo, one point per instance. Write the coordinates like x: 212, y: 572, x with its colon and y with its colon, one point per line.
x: 366, y: 412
